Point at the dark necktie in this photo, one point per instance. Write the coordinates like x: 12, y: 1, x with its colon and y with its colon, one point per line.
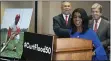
x: 95, y: 28
x: 66, y: 19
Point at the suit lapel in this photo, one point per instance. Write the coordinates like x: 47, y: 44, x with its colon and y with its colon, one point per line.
x: 69, y: 21
x: 91, y: 23
x: 100, y: 26
x: 62, y: 19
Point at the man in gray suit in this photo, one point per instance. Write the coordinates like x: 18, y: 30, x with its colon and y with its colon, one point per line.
x: 61, y: 22
x: 100, y: 26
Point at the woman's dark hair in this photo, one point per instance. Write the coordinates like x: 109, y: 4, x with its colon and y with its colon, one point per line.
x: 84, y: 18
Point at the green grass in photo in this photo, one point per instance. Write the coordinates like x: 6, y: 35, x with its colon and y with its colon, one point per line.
x: 8, y: 52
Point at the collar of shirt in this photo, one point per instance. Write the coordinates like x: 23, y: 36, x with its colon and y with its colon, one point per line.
x: 98, y: 22
x: 65, y: 17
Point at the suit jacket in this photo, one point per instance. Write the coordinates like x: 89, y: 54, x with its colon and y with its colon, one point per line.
x: 103, y: 32
x: 59, y: 26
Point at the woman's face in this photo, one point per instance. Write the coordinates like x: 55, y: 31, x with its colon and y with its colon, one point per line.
x: 77, y: 19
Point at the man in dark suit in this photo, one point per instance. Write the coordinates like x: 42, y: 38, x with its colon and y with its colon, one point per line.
x: 61, y: 22
x: 100, y: 26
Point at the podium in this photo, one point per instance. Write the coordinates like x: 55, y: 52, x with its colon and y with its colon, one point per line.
x: 39, y: 47
x: 72, y: 49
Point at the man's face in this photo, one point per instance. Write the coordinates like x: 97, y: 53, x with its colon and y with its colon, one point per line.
x: 66, y: 8
x: 96, y: 14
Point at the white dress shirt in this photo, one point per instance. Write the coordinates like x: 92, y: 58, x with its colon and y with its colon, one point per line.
x: 65, y: 17
x: 98, y: 23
